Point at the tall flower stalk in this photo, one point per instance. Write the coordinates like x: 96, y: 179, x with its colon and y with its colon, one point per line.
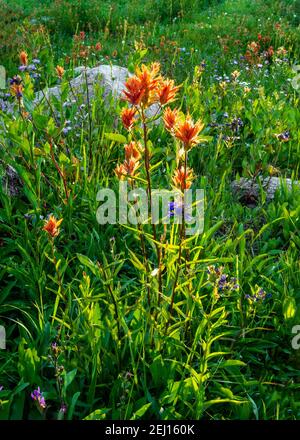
x: 187, y: 133
x: 149, y: 190
x: 52, y: 227
x: 145, y: 88
x: 59, y: 170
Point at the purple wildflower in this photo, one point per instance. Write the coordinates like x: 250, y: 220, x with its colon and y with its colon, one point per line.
x: 65, y: 130
x: 259, y: 296
x: 176, y: 210
x: 55, y: 348
x: 236, y: 124
x: 285, y: 136
x: 15, y: 80
x: 220, y: 280
x: 38, y: 397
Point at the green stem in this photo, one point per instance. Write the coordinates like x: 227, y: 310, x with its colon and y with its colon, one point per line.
x: 59, y: 171
x: 114, y: 304
x: 181, y: 240
x: 147, y: 168
x: 145, y: 256
x: 89, y: 116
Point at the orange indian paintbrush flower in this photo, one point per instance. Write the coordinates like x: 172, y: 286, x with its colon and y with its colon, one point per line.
x: 142, y: 87
x: 150, y: 81
x: 120, y: 171
x: 167, y: 91
x: 134, y: 92
x: 128, y: 168
x: 127, y: 116
x: 170, y: 118
x: 23, y: 58
x: 148, y: 76
x: 187, y: 132
x: 16, y: 90
x: 183, y: 180
x: 52, y: 226
x: 60, y: 71
x: 133, y: 151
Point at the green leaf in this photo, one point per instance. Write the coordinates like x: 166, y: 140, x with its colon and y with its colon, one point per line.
x: 40, y: 121
x: 88, y: 263
x: 289, y: 307
x: 68, y: 379
x: 63, y: 158
x: 73, y: 404
x: 136, y: 262
x: 205, y: 139
x: 29, y: 363
x: 116, y: 137
x: 232, y: 363
x: 51, y: 128
x: 99, y: 414
x: 141, y: 411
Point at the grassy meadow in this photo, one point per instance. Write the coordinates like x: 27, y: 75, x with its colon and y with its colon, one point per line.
x: 124, y: 321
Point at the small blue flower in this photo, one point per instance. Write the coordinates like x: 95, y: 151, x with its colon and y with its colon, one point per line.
x: 176, y: 209
x: 259, y: 296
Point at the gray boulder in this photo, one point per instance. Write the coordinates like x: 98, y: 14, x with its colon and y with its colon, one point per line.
x: 10, y: 180
x: 248, y: 190
x: 111, y: 78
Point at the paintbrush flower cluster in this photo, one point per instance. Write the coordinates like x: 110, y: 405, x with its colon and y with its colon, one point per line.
x: 145, y: 89
x: 148, y: 95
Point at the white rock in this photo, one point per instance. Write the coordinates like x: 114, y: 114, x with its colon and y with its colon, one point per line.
x: 111, y: 78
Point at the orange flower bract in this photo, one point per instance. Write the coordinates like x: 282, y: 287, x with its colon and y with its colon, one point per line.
x: 170, y: 118
x: 187, y: 132
x: 60, y: 71
x: 23, y: 58
x: 128, y: 168
x: 183, y: 180
x: 135, y: 91
x: 167, y: 91
x: 16, y: 90
x: 133, y: 151
x: 127, y: 116
x: 120, y: 171
x: 52, y: 226
x: 142, y: 87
